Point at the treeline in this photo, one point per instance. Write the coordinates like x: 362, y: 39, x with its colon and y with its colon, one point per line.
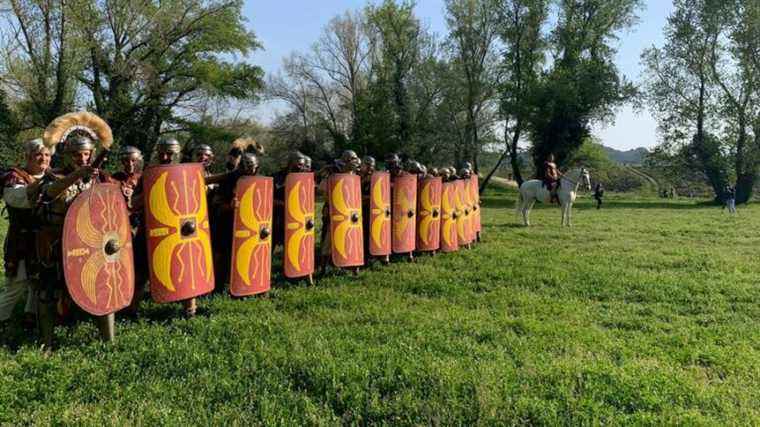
x: 508, y: 71
x: 506, y: 74
x: 148, y: 68
x: 703, y: 85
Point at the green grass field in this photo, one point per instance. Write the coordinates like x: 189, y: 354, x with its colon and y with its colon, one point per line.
x: 646, y: 312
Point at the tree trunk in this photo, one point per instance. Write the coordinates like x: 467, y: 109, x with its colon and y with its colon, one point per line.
x: 510, y: 151
x: 744, y: 184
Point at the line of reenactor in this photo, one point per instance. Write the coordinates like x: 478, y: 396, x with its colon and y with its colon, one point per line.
x: 78, y: 234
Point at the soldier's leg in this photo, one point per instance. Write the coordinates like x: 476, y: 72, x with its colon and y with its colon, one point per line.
x: 107, y: 327
x: 10, y: 295
x: 46, y: 311
x: 190, y: 306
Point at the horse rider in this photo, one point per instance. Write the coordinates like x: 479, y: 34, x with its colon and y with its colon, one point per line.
x: 551, y: 177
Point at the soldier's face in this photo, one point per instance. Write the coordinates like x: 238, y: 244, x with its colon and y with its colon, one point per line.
x: 130, y: 163
x: 205, y: 158
x: 232, y: 162
x: 165, y: 157
x: 299, y: 165
x: 39, y: 162
x: 81, y: 158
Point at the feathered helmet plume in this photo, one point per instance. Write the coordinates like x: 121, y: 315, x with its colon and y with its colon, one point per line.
x: 245, y: 144
x: 77, y: 123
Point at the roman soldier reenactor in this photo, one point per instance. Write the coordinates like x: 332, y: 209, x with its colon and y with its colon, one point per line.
x: 168, y: 151
x: 20, y: 254
x: 366, y: 171
x: 297, y: 163
x: 129, y: 177
x: 58, y: 189
x: 223, y: 214
x: 348, y: 163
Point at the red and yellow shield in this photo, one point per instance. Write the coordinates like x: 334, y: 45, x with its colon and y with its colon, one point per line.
x: 345, y: 199
x: 252, y: 237
x: 299, y: 225
x: 464, y: 232
x: 404, y: 213
x: 449, y: 216
x: 380, y: 214
x: 97, y: 251
x: 475, y: 198
x: 179, y: 245
x: 429, y: 214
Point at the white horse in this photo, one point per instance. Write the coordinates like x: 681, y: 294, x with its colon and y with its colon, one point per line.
x: 534, y: 191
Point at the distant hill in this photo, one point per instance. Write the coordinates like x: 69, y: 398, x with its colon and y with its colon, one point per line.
x: 630, y: 157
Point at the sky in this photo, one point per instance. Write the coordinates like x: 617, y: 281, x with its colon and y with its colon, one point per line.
x: 286, y: 26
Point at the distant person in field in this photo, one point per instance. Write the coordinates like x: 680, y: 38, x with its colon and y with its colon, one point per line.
x: 551, y: 177
x: 598, y: 194
x: 730, y: 197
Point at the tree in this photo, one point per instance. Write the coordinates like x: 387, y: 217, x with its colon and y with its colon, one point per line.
x: 583, y: 84
x: 396, y: 36
x: 9, y: 129
x: 473, y: 33
x: 325, y: 85
x: 41, y: 59
x: 152, y: 66
x: 703, y: 86
x: 522, y: 60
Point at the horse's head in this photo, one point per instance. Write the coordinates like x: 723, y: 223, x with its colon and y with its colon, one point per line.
x: 586, y: 177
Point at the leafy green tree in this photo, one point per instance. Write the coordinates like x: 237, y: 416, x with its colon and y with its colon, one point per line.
x: 41, y: 59
x: 396, y: 36
x: 9, y: 128
x: 473, y: 26
x: 520, y: 31
x: 150, y: 65
x: 583, y: 84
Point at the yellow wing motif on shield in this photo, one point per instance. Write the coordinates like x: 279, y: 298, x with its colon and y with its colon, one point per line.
x: 403, y: 221
x: 426, y: 212
x: 448, y: 221
x: 296, y: 211
x: 252, y: 224
x: 379, y: 211
x: 339, y: 203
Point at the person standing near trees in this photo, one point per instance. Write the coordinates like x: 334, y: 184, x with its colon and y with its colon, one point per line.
x: 598, y: 194
x: 730, y: 196
x: 20, y: 252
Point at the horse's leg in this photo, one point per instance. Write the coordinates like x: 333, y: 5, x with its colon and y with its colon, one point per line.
x: 527, y: 212
x: 569, y: 214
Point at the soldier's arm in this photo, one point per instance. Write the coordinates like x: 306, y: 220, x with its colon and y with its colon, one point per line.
x: 221, y: 177
x: 55, y: 189
x: 15, y: 196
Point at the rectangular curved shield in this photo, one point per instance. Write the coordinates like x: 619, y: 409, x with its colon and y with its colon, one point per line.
x: 475, y: 198
x: 449, y: 242
x: 404, y: 213
x: 429, y: 214
x: 98, y: 262
x: 177, y: 227
x: 464, y: 234
x: 346, y: 236
x: 380, y: 214
x: 299, y: 225
x: 252, y: 237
